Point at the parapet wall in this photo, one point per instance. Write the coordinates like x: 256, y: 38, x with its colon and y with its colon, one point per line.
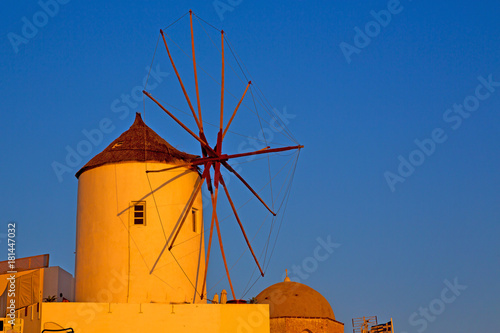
x: 155, y: 317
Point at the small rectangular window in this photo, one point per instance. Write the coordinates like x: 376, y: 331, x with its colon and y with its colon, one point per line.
x: 193, y: 216
x: 139, y: 212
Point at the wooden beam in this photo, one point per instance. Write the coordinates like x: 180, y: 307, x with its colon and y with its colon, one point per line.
x: 222, y: 85
x: 236, y: 109
x: 240, y: 224
x: 188, y: 210
x: 195, y: 72
x: 180, y: 81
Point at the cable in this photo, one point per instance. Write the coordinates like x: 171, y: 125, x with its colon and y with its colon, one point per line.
x: 219, y: 30
x: 268, y: 161
x: 288, y: 196
x: 152, y: 61
x: 220, y: 50
x: 171, y: 24
x: 217, y: 126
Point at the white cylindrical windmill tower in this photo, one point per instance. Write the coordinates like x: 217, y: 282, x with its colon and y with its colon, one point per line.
x: 127, y: 218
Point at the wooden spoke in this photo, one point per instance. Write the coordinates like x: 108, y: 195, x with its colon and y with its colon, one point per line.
x: 224, y: 255
x: 222, y: 85
x: 203, y: 149
x: 214, y: 205
x: 180, y: 81
x: 265, y: 150
x: 188, y: 210
x: 236, y: 109
x: 209, y: 179
x: 230, y: 168
x: 240, y: 224
x: 195, y: 72
x: 171, y: 168
x: 225, y: 157
x: 203, y: 143
x: 217, y: 163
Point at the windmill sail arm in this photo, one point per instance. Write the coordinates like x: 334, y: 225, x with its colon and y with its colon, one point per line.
x: 225, y: 157
x: 230, y: 168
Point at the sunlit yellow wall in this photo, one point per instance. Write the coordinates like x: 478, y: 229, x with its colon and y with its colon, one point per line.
x: 119, y: 262
x: 27, y: 320
x: 300, y: 325
x: 119, y: 318
x: 30, y: 319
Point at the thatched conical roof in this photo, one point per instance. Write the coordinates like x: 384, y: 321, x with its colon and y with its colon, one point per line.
x: 140, y: 144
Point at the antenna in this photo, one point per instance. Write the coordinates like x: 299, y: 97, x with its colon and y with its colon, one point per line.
x: 363, y: 324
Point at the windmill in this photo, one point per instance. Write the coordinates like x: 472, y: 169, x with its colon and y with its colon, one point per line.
x: 213, y: 158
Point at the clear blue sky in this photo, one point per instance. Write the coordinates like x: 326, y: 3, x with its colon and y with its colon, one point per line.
x: 360, y: 100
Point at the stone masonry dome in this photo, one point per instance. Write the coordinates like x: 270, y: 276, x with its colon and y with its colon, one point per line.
x: 292, y: 299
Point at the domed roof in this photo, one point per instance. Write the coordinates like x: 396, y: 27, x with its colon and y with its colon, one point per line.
x: 139, y: 143
x: 293, y: 299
